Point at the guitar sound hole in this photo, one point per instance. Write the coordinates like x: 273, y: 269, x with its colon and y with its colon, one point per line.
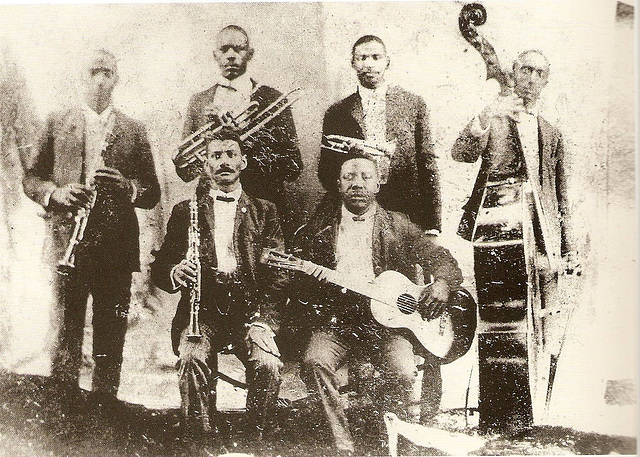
x: 407, y: 304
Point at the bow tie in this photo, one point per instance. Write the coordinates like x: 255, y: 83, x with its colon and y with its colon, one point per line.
x: 225, y: 199
x: 358, y: 218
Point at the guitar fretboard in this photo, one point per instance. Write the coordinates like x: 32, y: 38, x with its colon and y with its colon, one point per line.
x: 365, y: 288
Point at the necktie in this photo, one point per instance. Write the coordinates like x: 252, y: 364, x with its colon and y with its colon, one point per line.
x: 358, y: 218
x: 225, y: 199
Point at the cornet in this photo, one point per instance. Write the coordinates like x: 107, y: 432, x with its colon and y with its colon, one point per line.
x: 380, y: 152
x: 344, y: 144
x: 192, y: 149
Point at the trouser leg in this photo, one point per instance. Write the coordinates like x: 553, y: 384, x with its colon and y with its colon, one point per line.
x: 393, y: 355
x: 197, y: 388
x: 323, y: 357
x: 111, y: 296
x: 431, y: 387
x: 71, y: 293
x: 263, y: 379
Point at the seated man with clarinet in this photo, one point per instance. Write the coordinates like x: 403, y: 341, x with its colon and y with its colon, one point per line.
x: 211, y: 254
x: 94, y: 163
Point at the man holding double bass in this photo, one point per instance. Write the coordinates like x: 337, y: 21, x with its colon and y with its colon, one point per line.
x: 518, y: 221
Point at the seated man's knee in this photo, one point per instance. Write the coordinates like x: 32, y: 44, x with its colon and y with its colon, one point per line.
x: 190, y: 363
x: 265, y: 362
x: 404, y: 374
x: 315, y: 358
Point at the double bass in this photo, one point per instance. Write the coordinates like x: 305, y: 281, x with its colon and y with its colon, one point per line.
x: 514, y: 362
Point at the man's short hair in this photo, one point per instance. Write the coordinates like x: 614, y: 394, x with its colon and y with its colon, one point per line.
x: 93, y: 55
x: 227, y: 133
x: 236, y: 28
x: 356, y: 152
x: 367, y: 39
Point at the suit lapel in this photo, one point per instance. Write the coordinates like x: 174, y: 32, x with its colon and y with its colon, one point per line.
x: 239, y: 226
x: 392, y: 112
x: 206, y: 209
x: 73, y: 147
x: 114, y: 138
x: 358, y: 114
x: 379, y: 230
x: 544, y: 141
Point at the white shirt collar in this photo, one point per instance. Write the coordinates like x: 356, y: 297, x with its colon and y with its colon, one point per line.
x: 242, y: 83
x: 235, y: 194
x: 92, y: 116
x: 534, y: 110
x: 367, y: 216
x: 377, y: 93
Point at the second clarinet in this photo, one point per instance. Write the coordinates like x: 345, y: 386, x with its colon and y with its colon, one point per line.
x: 193, y: 256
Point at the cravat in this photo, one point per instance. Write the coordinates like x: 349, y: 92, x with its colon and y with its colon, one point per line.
x: 225, y: 199
x: 358, y: 218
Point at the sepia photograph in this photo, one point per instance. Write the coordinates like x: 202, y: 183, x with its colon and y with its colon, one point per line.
x: 318, y: 229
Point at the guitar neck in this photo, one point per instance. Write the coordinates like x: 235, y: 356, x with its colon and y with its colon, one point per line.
x: 339, y: 279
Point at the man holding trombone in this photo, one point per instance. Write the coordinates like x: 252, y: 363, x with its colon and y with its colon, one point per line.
x: 92, y: 166
x: 228, y: 296
x: 272, y: 152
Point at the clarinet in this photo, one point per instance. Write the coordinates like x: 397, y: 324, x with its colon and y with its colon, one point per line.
x: 193, y: 255
x: 68, y: 262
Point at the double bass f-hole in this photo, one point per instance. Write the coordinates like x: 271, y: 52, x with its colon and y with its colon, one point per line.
x: 474, y: 15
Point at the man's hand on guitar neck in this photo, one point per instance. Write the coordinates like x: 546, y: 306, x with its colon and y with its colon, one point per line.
x: 434, y: 302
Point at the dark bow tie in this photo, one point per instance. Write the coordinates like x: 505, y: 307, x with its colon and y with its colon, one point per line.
x: 225, y: 199
x: 358, y: 218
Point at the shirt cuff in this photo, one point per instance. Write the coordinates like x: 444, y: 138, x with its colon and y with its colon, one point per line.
x: 47, y: 198
x: 173, y: 281
x: 432, y: 232
x: 476, y: 128
x: 134, y: 191
x: 262, y: 326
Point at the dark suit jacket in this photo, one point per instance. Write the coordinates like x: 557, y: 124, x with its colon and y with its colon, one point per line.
x: 272, y: 152
x: 413, y: 187
x: 502, y: 157
x: 398, y: 245
x: 112, y: 235
x: 261, y: 289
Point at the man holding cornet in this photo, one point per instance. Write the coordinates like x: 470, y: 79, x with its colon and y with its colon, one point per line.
x: 273, y: 156
x: 94, y: 163
x: 394, y: 120
x: 238, y: 298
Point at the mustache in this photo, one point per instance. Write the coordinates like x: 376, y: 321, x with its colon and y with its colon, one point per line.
x: 224, y: 169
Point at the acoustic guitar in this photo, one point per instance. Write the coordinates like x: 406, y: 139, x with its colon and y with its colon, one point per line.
x: 395, y: 303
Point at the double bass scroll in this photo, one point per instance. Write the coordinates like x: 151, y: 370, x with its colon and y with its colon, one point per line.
x: 472, y: 16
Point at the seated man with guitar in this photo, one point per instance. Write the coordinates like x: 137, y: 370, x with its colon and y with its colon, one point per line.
x: 344, y: 251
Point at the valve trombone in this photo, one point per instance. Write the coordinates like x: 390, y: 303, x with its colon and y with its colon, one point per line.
x: 191, y: 150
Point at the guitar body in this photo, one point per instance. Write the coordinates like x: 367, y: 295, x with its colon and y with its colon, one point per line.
x: 447, y: 337
x: 395, y: 304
